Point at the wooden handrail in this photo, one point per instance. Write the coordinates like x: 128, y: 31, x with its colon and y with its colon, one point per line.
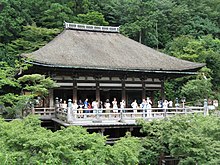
x: 69, y: 115
x: 125, y: 114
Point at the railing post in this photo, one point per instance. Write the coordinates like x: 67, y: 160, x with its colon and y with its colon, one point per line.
x: 97, y: 119
x: 177, y: 104
x: 121, y: 117
x: 32, y: 109
x: 206, y: 112
x: 165, y: 112
x: 45, y: 111
x: 56, y: 106
x: 69, y: 111
x: 183, y: 101
x: 144, y: 113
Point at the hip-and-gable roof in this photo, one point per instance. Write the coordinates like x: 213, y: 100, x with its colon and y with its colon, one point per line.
x: 74, y: 48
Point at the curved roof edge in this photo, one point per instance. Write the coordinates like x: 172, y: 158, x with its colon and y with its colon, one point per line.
x: 116, y: 69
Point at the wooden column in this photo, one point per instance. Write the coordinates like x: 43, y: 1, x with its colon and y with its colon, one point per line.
x: 143, y: 82
x: 51, y: 98
x: 123, y: 91
x: 143, y: 89
x: 74, y: 89
x: 152, y: 97
x: 162, y: 94
x: 97, y: 93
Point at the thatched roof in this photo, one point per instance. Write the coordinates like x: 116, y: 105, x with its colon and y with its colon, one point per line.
x: 104, y: 50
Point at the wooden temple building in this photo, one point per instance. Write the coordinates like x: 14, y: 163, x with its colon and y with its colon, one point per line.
x: 99, y: 63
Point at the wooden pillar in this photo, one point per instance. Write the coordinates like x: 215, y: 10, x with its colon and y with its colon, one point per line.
x: 152, y: 97
x: 74, y: 89
x: 97, y: 93
x: 123, y: 94
x: 143, y: 89
x: 143, y: 82
x: 51, y: 98
x: 162, y: 90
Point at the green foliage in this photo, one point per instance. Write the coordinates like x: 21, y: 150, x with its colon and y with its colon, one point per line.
x: 12, y: 18
x: 91, y: 18
x: 55, y: 15
x: 31, y: 38
x: 13, y: 102
x: 125, y: 151
x: 37, y: 84
x: 197, y: 89
x: 7, y: 76
x: 189, y: 138
x: 26, y: 142
x: 204, y: 49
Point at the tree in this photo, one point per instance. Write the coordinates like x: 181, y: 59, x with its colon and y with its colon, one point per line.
x: 91, y: 18
x: 199, y: 88
x: 12, y: 99
x: 205, y: 49
x: 56, y: 15
x: 26, y: 142
x: 125, y: 151
x: 31, y: 39
x: 191, y: 138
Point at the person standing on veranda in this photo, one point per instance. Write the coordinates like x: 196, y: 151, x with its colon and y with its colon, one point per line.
x: 80, y: 111
x: 122, y: 106
x: 86, y: 104
x: 107, y: 106
x: 74, y: 108
x: 134, y: 105
x: 95, y: 105
x: 149, y: 111
x: 144, y: 106
x: 115, y: 106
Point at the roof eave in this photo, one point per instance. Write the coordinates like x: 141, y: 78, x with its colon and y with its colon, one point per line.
x: 118, y: 69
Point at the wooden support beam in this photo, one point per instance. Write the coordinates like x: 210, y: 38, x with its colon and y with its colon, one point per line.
x: 74, y: 89
x: 162, y: 90
x: 143, y: 90
x: 97, y: 93
x: 51, y: 97
x: 143, y: 82
x: 123, y: 94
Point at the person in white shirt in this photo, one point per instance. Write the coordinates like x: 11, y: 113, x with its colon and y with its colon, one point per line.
x: 74, y: 108
x: 149, y: 102
x: 64, y: 106
x: 165, y: 106
x: 144, y: 104
x: 170, y: 104
x: 107, y: 107
x: 122, y: 105
x: 95, y: 105
x: 134, y: 105
x: 115, y: 106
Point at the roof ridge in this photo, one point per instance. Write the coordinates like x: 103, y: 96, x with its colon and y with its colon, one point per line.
x: 85, y: 27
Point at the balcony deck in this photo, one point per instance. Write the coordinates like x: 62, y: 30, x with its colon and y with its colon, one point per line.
x: 68, y: 117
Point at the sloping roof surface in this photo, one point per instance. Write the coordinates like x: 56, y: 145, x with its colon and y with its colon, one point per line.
x: 87, y: 49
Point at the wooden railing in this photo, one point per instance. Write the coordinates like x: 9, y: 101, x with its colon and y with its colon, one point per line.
x: 44, y: 112
x: 70, y: 115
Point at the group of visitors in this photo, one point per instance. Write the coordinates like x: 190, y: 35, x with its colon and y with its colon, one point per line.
x: 95, y: 106
x: 165, y: 104
x: 108, y: 107
x: 83, y: 108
